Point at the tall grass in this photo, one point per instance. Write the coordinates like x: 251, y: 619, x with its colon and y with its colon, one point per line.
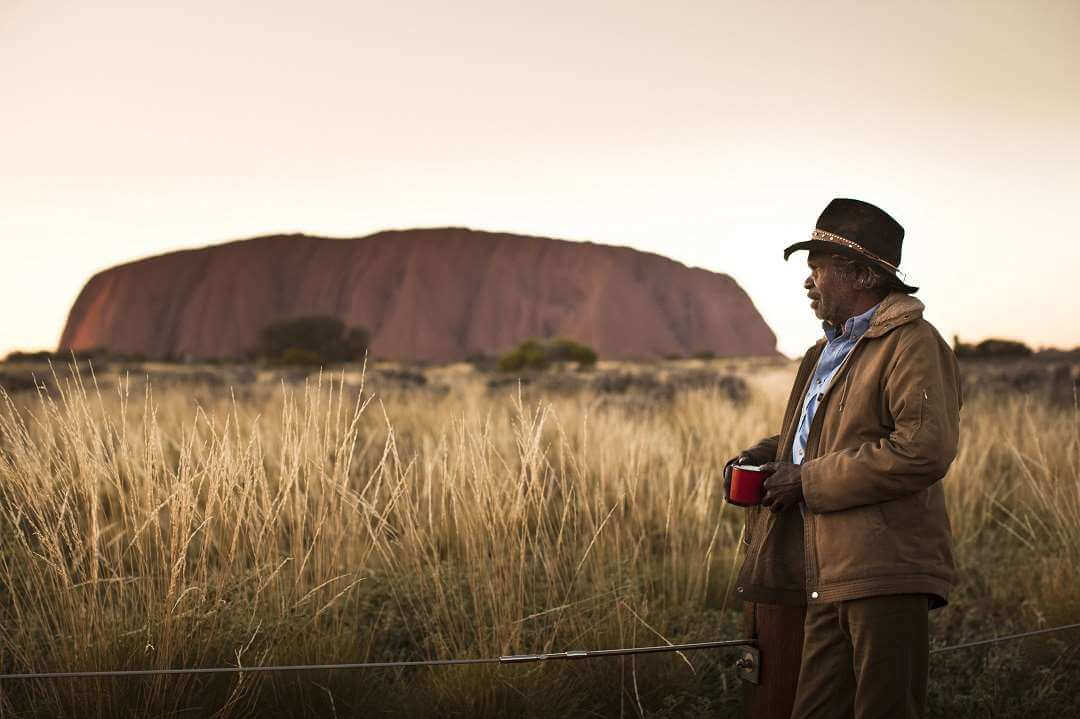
x: 324, y: 523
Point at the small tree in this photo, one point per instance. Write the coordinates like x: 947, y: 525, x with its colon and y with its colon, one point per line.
x: 990, y: 348
x: 1002, y: 348
x: 962, y: 349
x: 534, y: 355
x: 528, y: 355
x: 564, y: 350
x: 300, y: 357
x: 312, y: 340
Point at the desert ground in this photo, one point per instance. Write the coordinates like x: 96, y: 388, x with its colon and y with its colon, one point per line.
x: 162, y: 516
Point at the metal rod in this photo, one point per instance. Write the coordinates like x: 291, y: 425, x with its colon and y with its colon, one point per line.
x: 511, y: 659
x: 514, y: 659
x: 583, y: 654
x: 245, y: 670
x: 995, y: 640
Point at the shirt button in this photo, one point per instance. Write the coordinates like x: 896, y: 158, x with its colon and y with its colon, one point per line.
x: 738, y: 589
x: 813, y: 595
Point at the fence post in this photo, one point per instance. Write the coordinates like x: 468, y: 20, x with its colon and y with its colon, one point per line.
x: 779, y: 633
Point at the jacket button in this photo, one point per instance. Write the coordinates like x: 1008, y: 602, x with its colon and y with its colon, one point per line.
x: 813, y: 595
x: 738, y: 589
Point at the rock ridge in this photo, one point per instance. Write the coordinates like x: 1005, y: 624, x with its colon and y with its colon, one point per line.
x: 437, y: 294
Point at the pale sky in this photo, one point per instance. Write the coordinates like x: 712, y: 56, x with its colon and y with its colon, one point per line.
x: 710, y: 132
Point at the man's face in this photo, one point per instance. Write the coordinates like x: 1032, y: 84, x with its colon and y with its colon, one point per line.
x: 831, y: 292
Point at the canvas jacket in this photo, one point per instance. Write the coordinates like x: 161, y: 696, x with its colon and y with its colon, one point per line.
x: 873, y: 519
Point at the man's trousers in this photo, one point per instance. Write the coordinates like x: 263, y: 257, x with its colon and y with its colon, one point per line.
x: 865, y: 658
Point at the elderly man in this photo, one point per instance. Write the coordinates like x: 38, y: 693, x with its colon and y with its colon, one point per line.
x: 853, y: 525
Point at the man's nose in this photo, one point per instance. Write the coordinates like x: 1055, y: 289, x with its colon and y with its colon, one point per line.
x: 808, y: 283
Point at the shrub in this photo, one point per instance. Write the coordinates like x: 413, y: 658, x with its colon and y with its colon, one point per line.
x: 534, y: 355
x: 991, y: 348
x: 356, y: 343
x: 16, y: 383
x: 1002, y: 348
x: 564, y: 350
x: 312, y: 340
x: 20, y: 356
x: 295, y: 355
x: 528, y: 355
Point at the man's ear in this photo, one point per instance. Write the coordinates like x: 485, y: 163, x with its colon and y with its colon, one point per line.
x: 865, y: 279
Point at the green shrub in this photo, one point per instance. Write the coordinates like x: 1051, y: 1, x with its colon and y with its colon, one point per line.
x: 564, y: 350
x: 991, y: 348
x: 1002, y: 348
x: 295, y: 355
x: 321, y: 337
x: 21, y: 356
x: 535, y: 355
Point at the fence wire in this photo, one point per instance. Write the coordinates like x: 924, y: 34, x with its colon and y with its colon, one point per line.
x: 508, y: 659
x: 995, y: 640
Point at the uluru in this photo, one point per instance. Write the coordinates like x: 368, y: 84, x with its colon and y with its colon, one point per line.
x: 425, y: 294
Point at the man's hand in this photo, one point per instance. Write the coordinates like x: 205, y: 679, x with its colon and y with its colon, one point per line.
x: 741, y: 459
x: 783, y: 489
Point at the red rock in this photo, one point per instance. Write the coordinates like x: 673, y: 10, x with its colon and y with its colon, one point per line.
x: 437, y: 294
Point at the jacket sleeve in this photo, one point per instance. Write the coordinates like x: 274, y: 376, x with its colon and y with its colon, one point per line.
x: 764, y: 451
x: 922, y: 396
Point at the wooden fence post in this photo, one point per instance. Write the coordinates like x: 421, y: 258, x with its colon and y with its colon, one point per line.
x: 779, y: 632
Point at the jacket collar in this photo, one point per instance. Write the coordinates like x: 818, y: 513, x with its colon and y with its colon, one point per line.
x: 853, y: 327
x: 898, y: 308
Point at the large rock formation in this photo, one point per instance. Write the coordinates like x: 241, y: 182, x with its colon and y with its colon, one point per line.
x: 437, y: 294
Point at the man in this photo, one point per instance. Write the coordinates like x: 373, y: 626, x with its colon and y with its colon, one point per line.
x: 853, y: 524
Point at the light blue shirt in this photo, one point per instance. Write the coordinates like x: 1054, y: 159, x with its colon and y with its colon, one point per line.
x: 836, y: 351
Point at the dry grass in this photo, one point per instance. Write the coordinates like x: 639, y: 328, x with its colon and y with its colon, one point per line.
x: 322, y: 523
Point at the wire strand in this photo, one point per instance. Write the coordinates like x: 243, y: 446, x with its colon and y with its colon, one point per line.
x: 511, y: 659
x: 1010, y: 637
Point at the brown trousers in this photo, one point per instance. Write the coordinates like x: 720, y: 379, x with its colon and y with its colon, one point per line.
x: 865, y: 658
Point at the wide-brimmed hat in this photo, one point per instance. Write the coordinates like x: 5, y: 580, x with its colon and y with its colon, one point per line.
x: 863, y: 232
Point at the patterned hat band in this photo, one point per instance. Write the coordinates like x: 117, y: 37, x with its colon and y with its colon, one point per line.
x: 824, y: 236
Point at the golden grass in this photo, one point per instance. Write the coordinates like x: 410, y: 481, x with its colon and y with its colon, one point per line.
x: 323, y: 523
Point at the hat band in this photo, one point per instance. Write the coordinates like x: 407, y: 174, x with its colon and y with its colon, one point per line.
x: 824, y: 236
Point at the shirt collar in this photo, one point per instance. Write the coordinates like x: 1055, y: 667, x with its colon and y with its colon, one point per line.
x: 853, y: 328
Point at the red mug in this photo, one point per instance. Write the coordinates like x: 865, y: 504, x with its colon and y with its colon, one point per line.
x: 747, y: 485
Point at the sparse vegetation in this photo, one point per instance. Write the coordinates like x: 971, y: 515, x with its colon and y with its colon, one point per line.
x: 98, y: 355
x: 294, y: 355
x: 35, y: 356
x: 991, y: 349
x: 535, y: 355
x: 188, y: 525
x: 312, y: 341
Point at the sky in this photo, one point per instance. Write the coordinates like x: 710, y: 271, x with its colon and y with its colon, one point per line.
x: 713, y: 133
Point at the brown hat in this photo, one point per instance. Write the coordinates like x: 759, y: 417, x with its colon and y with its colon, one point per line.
x: 859, y: 230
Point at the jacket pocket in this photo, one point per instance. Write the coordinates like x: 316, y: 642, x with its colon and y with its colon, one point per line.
x: 851, y: 544
x: 924, y: 400
x: 905, y: 512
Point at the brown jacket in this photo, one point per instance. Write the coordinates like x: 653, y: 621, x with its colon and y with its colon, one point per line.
x: 873, y: 520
